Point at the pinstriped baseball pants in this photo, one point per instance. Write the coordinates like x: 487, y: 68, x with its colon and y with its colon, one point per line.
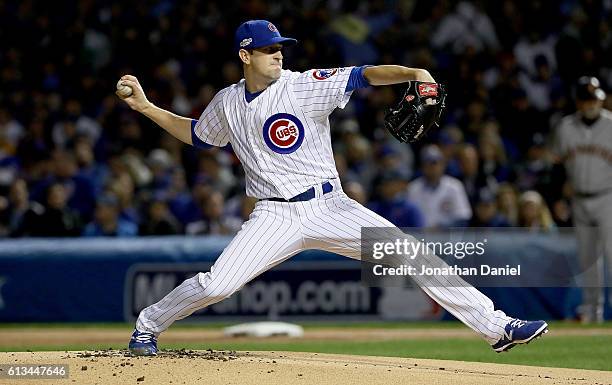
x: 276, y: 231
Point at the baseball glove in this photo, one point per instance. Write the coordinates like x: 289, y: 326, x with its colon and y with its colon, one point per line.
x: 420, y: 108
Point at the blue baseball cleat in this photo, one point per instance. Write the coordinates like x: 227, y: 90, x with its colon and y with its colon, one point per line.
x: 143, y: 344
x: 520, y: 332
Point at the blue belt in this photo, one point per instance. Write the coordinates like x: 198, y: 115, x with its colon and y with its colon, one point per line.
x: 306, y: 195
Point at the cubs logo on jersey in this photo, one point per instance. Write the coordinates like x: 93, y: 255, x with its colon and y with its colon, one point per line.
x: 324, y: 74
x: 283, y: 133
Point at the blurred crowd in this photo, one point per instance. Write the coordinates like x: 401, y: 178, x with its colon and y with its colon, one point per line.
x: 74, y: 160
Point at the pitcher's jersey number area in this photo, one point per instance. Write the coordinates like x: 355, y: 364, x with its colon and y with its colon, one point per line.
x: 283, y: 133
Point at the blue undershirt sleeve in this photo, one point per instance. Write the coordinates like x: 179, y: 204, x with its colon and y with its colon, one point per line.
x: 197, y: 142
x: 356, y: 79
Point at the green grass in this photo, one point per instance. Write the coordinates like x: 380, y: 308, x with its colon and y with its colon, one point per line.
x: 554, y: 350
x: 583, y: 352
x: 567, y: 352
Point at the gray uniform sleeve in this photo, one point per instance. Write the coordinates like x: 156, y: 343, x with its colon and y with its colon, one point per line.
x: 557, y: 146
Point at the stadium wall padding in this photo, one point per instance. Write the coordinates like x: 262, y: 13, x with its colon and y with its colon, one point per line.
x: 106, y: 279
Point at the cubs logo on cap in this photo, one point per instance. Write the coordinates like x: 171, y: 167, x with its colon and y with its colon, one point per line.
x: 283, y: 133
x: 259, y: 33
x: 324, y: 74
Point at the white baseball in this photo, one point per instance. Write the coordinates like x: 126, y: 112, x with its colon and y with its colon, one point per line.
x: 123, y: 90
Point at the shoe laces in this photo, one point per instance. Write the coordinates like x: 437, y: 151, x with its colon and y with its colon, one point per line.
x: 145, y: 337
x: 517, y: 323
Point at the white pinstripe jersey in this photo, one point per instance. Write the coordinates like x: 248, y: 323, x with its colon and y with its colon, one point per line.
x: 282, y: 137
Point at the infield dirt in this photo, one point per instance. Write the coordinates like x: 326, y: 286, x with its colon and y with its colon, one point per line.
x: 286, y: 368
x: 104, y: 367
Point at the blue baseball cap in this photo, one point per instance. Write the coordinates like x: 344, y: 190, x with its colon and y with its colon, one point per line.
x: 259, y: 33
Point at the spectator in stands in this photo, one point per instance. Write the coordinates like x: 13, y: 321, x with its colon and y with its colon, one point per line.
x: 485, y: 211
x: 534, y: 213
x: 474, y: 119
x: 468, y: 28
x: 106, y: 221
x: 159, y: 219
x: 11, y: 132
x: 540, y: 87
x: 161, y: 165
x: 219, y: 178
x: 493, y: 161
x: 9, y: 170
x: 441, y: 198
x: 179, y: 198
x: 130, y: 136
x: 534, y: 50
x: 89, y: 169
x: 470, y: 175
x: 352, y: 34
x: 524, y: 121
x: 357, y: 152
x: 215, y: 220
x: 391, y: 202
x: 201, y: 191
x: 137, y: 167
x: 392, y: 156
x: 534, y: 172
x: 75, y: 123
x: 450, y: 140
x: 80, y: 189
x: 355, y: 191
x: 507, y: 203
x: 179, y: 154
x: 20, y: 215
x: 34, y: 148
x: 57, y: 219
x: 124, y: 190
x: 359, y: 159
x: 561, y: 212
x: 240, y: 206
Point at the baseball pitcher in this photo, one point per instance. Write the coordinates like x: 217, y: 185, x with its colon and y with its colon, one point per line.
x: 277, y: 123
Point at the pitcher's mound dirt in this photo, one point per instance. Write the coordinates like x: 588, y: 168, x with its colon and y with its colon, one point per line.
x: 286, y: 368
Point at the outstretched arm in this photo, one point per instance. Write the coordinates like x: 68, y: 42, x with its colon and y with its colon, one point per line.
x: 177, y: 126
x: 383, y: 75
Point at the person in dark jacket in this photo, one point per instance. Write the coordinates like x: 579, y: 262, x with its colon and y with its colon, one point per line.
x: 58, y: 220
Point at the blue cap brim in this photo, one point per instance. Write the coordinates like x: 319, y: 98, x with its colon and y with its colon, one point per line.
x: 286, y: 41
